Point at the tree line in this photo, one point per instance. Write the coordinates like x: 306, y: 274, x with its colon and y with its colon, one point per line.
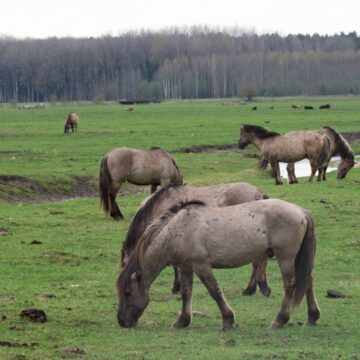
x: 196, y: 62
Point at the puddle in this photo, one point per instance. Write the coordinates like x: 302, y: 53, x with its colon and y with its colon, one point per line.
x: 302, y: 168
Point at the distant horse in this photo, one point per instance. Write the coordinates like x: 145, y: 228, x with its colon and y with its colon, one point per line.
x: 338, y: 147
x: 140, y: 167
x: 296, y: 106
x: 214, y: 195
x: 295, y: 145
x: 71, y: 122
x: 308, y: 107
x: 197, y: 238
x: 326, y: 106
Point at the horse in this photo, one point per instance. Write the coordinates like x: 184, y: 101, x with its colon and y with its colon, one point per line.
x: 306, y: 107
x: 197, y: 238
x: 338, y: 147
x: 292, y: 147
x: 140, y: 167
x: 296, y: 106
x: 71, y: 122
x: 325, y: 106
x: 214, y: 195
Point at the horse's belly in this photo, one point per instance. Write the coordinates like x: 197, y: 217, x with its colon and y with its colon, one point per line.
x: 238, y: 251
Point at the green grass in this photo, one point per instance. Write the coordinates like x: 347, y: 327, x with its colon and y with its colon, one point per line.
x: 71, y: 274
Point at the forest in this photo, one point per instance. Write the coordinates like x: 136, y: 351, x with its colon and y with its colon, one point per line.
x: 179, y: 63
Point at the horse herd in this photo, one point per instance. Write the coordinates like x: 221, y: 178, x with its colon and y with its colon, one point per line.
x: 196, y: 229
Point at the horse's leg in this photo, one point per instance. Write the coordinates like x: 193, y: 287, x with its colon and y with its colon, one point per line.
x: 251, y: 288
x: 206, y: 275
x: 261, y: 277
x: 290, y: 168
x: 115, y: 212
x: 313, y: 169
x: 186, y: 278
x: 320, y: 174
x: 276, y: 171
x: 153, y: 188
x: 313, y: 309
x: 176, y: 285
x: 324, y: 174
x: 288, y: 275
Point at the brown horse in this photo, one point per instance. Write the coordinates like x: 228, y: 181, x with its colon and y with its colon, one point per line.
x: 197, y: 238
x: 140, y: 167
x: 214, y: 195
x: 338, y: 147
x: 71, y: 122
x: 292, y: 147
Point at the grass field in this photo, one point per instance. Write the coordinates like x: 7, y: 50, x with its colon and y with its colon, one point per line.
x: 62, y: 256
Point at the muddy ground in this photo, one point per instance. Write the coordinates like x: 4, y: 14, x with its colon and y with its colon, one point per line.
x: 21, y: 189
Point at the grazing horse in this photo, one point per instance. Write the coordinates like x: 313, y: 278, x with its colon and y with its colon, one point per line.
x: 325, y: 106
x: 338, y: 147
x: 214, y: 195
x: 296, y: 106
x: 306, y: 107
x: 197, y: 238
x: 71, y: 122
x: 140, y: 167
x: 295, y: 145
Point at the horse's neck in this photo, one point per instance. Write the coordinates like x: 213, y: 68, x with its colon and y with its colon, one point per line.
x: 155, y: 259
x: 258, y: 143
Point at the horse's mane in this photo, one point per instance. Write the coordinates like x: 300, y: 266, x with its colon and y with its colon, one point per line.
x: 260, y: 131
x: 342, y: 146
x: 142, y: 216
x: 135, y: 261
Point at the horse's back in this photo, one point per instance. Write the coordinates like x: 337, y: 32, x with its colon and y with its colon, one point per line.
x: 236, y: 235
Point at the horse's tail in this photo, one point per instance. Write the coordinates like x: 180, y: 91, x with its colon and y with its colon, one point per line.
x: 263, y: 164
x: 105, y: 183
x: 304, y: 261
x: 325, y: 154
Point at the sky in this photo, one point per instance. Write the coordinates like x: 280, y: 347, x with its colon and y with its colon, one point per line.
x: 87, y: 18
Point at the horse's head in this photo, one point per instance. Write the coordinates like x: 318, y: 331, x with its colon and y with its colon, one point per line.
x: 244, y: 138
x: 344, y: 167
x: 133, y: 300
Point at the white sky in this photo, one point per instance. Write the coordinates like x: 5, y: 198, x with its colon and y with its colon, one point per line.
x: 85, y: 18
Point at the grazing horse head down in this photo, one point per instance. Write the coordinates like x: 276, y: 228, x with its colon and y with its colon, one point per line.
x: 292, y: 147
x: 214, y: 195
x: 198, y: 238
x: 71, y: 122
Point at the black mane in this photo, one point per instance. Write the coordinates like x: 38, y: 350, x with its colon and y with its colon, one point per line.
x: 135, y: 229
x: 260, y: 132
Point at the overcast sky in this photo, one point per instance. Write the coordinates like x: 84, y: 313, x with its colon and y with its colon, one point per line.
x: 86, y: 18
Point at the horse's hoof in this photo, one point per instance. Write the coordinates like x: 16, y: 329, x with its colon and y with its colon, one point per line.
x: 175, y: 290
x: 181, y: 323
x: 249, y: 291
x: 266, y: 291
x: 227, y: 326
x: 275, y: 326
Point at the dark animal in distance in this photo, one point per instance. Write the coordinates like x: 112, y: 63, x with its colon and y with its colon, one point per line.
x: 254, y: 108
x: 326, y: 106
x: 197, y: 238
x: 308, y: 107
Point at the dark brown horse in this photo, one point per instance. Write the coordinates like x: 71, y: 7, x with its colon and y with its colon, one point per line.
x: 338, y: 147
x: 140, y: 167
x: 291, y: 147
x: 71, y: 122
x: 214, y: 195
x: 197, y: 238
